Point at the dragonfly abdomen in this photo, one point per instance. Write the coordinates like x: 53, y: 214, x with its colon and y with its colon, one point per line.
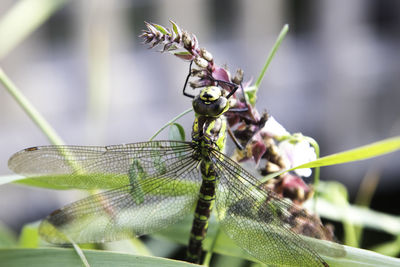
x: 203, y: 211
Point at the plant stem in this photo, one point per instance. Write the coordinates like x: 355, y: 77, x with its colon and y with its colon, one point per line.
x: 209, y: 253
x: 316, y: 169
x: 271, y: 54
x: 30, y: 110
x: 81, y: 255
x: 169, y: 123
x: 23, y: 19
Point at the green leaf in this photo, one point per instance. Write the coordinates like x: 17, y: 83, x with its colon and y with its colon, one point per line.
x: 361, y: 257
x: 251, y: 93
x: 176, y: 132
x: 43, y: 257
x: 359, y: 216
x: 5, y: 179
x: 334, y: 254
x: 391, y: 248
x: 332, y: 204
x: 161, y: 29
x: 29, y: 237
x: 66, y: 181
x: 183, y: 53
x: 170, y: 122
x: 361, y: 153
x: 7, y: 237
x: 131, y: 246
x: 102, y: 181
x: 175, y: 28
x: 336, y: 193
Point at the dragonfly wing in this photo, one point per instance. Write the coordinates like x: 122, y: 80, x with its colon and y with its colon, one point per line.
x: 121, y: 213
x: 160, y: 182
x: 91, y: 167
x: 259, y: 221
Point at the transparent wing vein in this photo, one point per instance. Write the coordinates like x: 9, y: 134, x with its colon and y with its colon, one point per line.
x: 258, y: 220
x: 154, y: 185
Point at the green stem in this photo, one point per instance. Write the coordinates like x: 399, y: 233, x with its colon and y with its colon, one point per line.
x: 207, y: 258
x: 316, y: 148
x: 81, y: 255
x: 30, y: 110
x: 169, y: 123
x: 316, y: 170
x: 22, y: 19
x: 271, y: 54
x: 364, y: 196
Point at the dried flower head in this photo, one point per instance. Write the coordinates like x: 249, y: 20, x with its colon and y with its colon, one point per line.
x: 184, y: 45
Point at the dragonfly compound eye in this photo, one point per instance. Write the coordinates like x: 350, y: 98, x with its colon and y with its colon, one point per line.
x: 210, y: 102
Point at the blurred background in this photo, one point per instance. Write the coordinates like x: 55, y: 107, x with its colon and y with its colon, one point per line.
x: 335, y: 78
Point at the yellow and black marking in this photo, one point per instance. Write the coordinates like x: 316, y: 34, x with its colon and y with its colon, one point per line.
x: 210, y: 102
x: 203, y: 211
x: 207, y: 132
x: 210, y: 94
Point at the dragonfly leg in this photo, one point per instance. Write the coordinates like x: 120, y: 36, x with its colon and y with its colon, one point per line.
x: 234, y: 139
x: 186, y: 81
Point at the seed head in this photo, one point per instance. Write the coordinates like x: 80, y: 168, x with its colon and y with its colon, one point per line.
x: 238, y: 78
x: 187, y: 40
x: 206, y: 55
x: 201, y: 62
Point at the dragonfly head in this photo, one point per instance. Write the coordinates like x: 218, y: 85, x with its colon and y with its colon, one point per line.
x: 210, y: 102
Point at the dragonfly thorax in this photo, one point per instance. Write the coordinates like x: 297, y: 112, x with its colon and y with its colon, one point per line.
x: 210, y: 102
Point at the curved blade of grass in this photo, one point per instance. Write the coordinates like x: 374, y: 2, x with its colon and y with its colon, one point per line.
x: 365, y: 152
x: 391, y: 248
x: 360, y: 216
x: 271, y: 54
x: 44, y: 257
x: 30, y: 110
x: 5, y: 179
x: 29, y: 237
x: 131, y: 246
x: 364, y: 195
x: 355, y: 215
x: 170, y: 122
x: 361, y: 153
x: 65, y: 182
x: 81, y: 255
x: 24, y: 18
x: 7, y: 237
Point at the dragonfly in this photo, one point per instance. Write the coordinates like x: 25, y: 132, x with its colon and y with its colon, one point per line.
x: 148, y: 186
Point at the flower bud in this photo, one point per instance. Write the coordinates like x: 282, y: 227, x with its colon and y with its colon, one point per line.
x: 238, y: 77
x: 206, y: 55
x: 201, y: 73
x: 187, y: 41
x: 201, y: 62
x: 200, y: 83
x: 271, y: 167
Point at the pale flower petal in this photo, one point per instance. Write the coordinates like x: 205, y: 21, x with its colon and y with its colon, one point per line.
x: 274, y: 129
x: 296, y: 154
